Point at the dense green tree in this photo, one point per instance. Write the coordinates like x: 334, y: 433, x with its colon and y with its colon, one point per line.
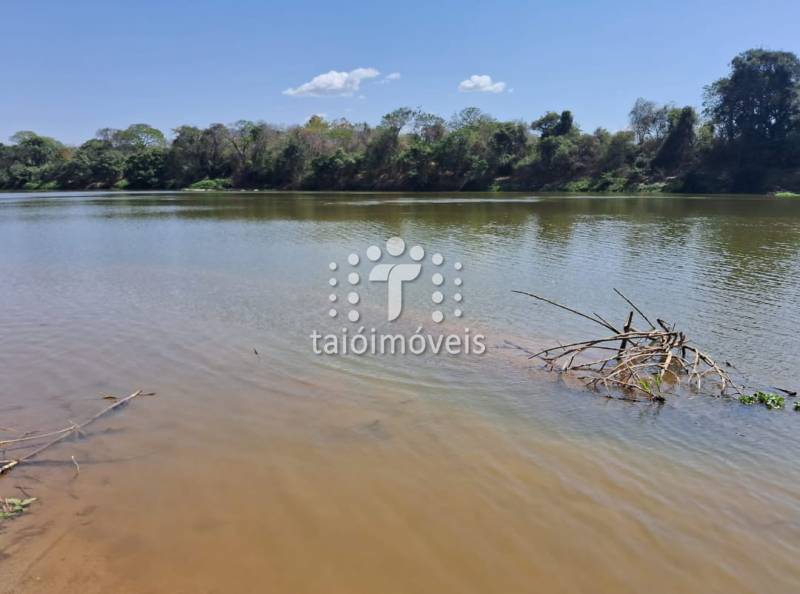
x: 186, y: 159
x: 756, y: 112
x: 290, y: 163
x: 333, y: 171
x: 144, y: 169
x: 34, y: 150
x: 134, y: 137
x: 553, y: 124
x: 217, y: 158
x: 461, y: 166
x: 33, y: 161
x: 758, y: 102
x: 619, y: 151
x: 508, y: 145
x: 677, y: 146
x: 96, y: 164
x: 381, y: 150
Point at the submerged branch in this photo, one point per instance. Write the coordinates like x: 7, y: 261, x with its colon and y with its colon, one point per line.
x: 8, y: 465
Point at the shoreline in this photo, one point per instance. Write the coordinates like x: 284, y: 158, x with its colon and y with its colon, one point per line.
x: 547, y: 193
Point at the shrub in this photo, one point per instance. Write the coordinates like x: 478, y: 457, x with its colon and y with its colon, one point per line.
x: 221, y: 183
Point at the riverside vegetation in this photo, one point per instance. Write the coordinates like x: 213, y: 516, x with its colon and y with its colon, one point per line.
x: 745, y: 139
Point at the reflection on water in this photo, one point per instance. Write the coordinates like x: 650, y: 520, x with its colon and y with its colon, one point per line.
x: 287, y: 472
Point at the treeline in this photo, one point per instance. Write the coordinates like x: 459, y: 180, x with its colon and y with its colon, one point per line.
x: 746, y: 139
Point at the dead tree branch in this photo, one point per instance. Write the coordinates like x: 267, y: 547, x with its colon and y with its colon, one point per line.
x: 636, y: 364
x: 62, y: 434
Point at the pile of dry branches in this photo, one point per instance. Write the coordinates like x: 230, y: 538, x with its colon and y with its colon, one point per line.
x: 636, y: 364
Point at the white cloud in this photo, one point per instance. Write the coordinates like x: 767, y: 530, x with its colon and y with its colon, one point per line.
x: 334, y: 83
x: 481, y: 83
x: 389, y: 78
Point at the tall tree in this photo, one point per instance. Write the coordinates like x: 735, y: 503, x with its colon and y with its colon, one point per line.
x: 649, y: 120
x: 553, y: 124
x: 758, y: 102
x: 677, y: 146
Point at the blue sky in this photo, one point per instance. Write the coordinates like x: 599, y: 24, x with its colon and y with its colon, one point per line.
x: 69, y: 68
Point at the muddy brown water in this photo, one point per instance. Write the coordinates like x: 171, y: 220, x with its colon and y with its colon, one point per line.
x: 286, y: 471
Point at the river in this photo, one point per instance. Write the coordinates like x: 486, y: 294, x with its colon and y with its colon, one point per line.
x: 262, y: 465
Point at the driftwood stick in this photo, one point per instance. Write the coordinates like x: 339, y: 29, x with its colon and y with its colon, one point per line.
x: 664, y: 325
x: 633, y: 305
x: 602, y: 319
x: 625, y: 329
x: 569, y: 309
x: 520, y: 348
x: 9, y: 465
x: 6, y: 442
x: 593, y: 343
